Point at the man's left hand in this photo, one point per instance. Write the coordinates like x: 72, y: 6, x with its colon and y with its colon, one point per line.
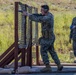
x: 25, y: 13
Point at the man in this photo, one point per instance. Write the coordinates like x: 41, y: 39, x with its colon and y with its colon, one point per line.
x: 48, y: 37
x: 73, y: 36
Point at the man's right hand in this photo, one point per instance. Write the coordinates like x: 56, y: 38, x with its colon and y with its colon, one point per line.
x: 26, y: 13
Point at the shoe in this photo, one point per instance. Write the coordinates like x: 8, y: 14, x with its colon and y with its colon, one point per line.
x: 60, y: 67
x: 74, y: 61
x: 46, y: 69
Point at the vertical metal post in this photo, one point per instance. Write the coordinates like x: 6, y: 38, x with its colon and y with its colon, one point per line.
x: 16, y: 37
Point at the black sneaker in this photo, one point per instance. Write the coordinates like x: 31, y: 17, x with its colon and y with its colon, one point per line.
x: 60, y: 68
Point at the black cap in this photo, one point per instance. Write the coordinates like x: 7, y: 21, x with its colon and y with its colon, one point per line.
x: 45, y: 7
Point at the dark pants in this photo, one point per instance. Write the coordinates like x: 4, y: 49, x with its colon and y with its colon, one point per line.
x: 74, y: 47
x: 46, y: 47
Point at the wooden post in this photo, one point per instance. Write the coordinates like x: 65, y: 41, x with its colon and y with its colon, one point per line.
x: 23, y: 57
x: 16, y: 37
x: 29, y: 51
x: 37, y: 48
x: 23, y: 50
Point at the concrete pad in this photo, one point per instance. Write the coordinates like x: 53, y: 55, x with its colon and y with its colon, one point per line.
x: 6, y: 71
x: 24, y: 69
x: 36, y: 70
